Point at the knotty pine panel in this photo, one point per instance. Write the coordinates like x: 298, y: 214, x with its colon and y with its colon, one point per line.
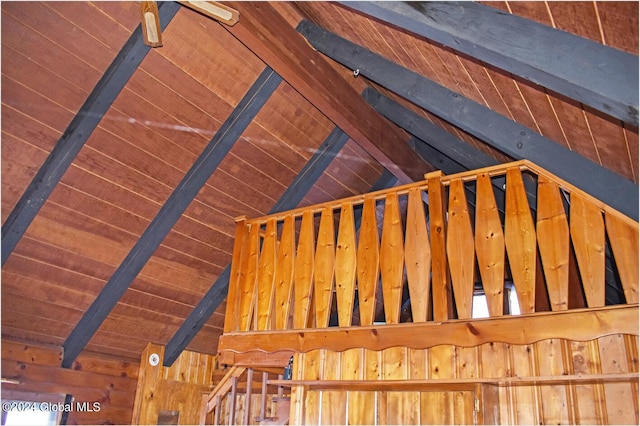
x: 540, y: 404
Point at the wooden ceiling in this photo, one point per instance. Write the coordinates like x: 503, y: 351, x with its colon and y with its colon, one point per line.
x: 54, y: 59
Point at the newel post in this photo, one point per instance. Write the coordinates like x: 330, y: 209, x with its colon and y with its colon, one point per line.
x: 441, y: 280
x: 231, y: 319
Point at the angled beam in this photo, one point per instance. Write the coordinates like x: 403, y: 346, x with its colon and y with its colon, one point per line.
x: 438, y: 138
x: 170, y: 212
x: 77, y: 133
x: 551, y: 58
x: 510, y: 137
x: 270, y: 36
x: 288, y: 200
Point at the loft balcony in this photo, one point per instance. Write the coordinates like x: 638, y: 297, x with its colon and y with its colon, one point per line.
x: 406, y: 266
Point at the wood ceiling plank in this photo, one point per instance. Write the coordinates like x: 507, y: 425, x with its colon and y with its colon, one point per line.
x: 58, y: 90
x: 510, y: 137
x: 368, y: 169
x: 264, y: 31
x: 171, y: 211
x: 27, y: 129
x: 34, y: 104
x: 107, y: 30
x: 45, y: 271
x: 20, y: 162
x: 519, y: 110
x: 616, y: 18
x: 50, y: 55
x: 126, y: 14
x: 74, y: 138
x: 229, y: 77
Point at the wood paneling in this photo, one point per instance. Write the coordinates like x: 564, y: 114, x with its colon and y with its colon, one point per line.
x: 93, y: 378
x: 53, y: 55
x: 421, y: 400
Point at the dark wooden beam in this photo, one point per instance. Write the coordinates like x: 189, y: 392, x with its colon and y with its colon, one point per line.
x: 439, y: 147
x: 306, y: 178
x: 439, y: 139
x: 170, y: 212
x: 77, y: 133
x: 510, y: 137
x: 270, y: 36
x: 599, y: 76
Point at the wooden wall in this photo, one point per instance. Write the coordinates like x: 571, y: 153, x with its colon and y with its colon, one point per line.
x: 552, y: 400
x: 92, y: 379
x: 178, y: 389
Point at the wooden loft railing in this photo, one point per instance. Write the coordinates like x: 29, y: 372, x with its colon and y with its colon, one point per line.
x: 427, y: 248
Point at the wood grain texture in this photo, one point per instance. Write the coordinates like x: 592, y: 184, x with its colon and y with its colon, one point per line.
x: 231, y: 320
x: 265, y: 279
x: 460, y: 249
x: 581, y: 324
x: 441, y: 281
x: 284, y: 274
x: 392, y: 259
x: 520, y: 240
x: 490, y: 248
x: 345, y: 266
x: 248, y: 284
x: 588, y: 237
x: 324, y: 268
x: 623, y: 238
x: 303, y: 272
x: 553, y: 242
x: 368, y: 260
x: 417, y: 252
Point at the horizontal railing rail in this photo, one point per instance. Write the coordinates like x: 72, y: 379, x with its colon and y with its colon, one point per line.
x: 421, y: 252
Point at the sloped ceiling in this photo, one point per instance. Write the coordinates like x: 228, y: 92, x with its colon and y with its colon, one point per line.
x: 55, y: 53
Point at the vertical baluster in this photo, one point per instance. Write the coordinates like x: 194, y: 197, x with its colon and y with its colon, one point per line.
x: 247, y: 398
x: 368, y: 262
x: 418, y: 256
x: 323, y: 271
x: 392, y: 259
x: 266, y: 274
x: 553, y: 240
x: 303, y: 271
x: 248, y: 288
x: 232, y: 401
x: 284, y: 273
x: 520, y: 240
x: 218, y: 410
x: 345, y: 269
x: 238, y: 263
x: 441, y: 281
x: 623, y: 236
x: 263, y: 395
x: 489, y: 241
x: 460, y: 249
